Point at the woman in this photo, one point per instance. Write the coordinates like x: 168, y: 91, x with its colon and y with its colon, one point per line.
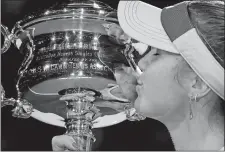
x: 182, y: 84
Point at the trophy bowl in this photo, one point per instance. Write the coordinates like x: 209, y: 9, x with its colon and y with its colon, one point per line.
x: 68, y: 40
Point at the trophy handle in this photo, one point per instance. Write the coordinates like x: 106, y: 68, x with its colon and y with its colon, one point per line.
x: 6, y: 101
x: 22, y: 108
x: 7, y: 43
x: 133, y: 116
x: 7, y: 39
x: 129, y: 56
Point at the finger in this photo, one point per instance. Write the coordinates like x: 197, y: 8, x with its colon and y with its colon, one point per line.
x: 94, y: 109
x: 127, y: 69
x: 112, y: 29
x: 97, y: 115
x: 116, y: 32
x: 94, y: 114
x: 114, y: 105
x: 133, y: 75
x: 119, y: 73
x: 125, y: 38
x: 63, y: 142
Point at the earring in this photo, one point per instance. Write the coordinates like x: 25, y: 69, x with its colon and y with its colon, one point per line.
x: 193, y: 98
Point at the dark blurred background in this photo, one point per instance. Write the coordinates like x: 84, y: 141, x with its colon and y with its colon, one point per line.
x: 33, y: 135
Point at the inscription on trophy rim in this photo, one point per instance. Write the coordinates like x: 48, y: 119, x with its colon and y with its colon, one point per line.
x: 65, y: 56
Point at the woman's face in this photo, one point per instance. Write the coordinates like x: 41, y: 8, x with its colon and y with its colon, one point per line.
x: 159, y: 93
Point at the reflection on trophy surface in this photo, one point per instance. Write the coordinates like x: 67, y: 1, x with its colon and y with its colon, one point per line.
x: 65, y: 70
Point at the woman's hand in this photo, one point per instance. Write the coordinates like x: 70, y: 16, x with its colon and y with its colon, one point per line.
x: 66, y: 143
x: 125, y: 77
x: 116, y: 34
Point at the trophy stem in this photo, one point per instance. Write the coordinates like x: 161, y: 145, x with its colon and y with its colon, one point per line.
x: 79, y: 117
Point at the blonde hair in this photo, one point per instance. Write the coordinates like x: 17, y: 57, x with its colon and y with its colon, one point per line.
x: 208, y: 19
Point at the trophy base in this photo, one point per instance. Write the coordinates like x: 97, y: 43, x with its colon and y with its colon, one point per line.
x: 50, y: 109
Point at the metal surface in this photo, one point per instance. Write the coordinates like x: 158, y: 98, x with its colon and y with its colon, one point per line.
x: 7, y: 38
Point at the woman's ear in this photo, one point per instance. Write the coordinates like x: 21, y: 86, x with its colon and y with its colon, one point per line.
x: 199, y: 87
x: 190, y: 81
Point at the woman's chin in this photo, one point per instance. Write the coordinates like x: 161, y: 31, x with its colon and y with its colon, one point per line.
x: 146, y: 110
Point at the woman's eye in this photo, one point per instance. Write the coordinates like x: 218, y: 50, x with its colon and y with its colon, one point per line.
x: 156, y: 54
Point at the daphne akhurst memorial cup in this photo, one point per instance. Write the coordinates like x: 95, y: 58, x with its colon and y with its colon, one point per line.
x: 63, y: 73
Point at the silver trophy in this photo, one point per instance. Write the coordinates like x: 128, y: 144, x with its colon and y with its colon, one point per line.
x: 62, y: 74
